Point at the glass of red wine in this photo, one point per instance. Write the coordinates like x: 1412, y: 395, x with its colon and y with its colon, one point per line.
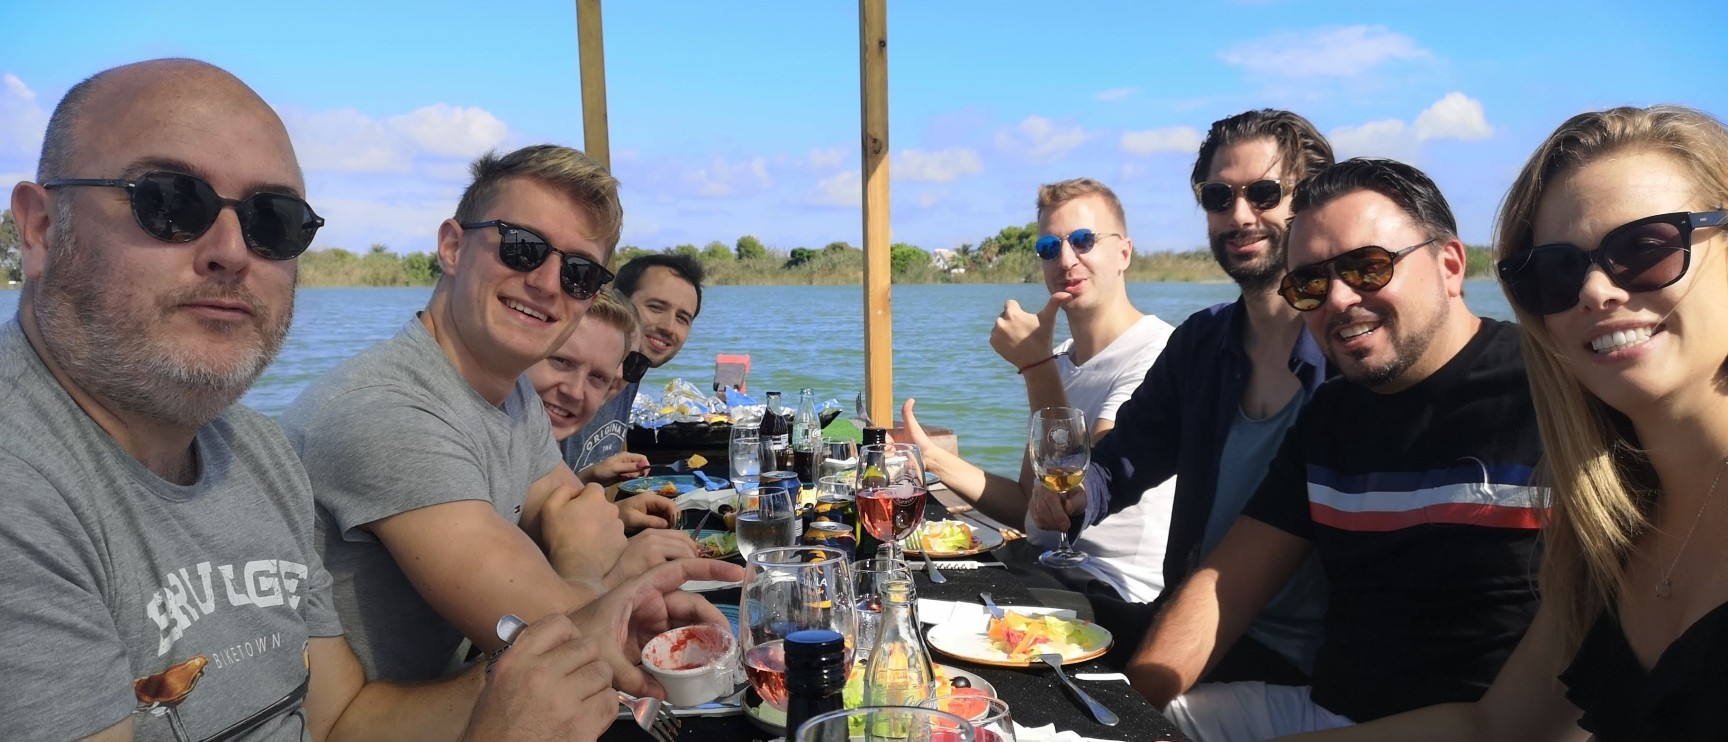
x: 787, y: 590
x: 891, y: 492
x: 1060, y: 447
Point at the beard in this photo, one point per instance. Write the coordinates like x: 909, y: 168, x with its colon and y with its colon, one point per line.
x: 122, y: 353
x: 1254, y: 272
x: 1406, y: 348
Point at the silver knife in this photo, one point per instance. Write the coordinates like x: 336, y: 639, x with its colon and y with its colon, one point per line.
x: 990, y: 605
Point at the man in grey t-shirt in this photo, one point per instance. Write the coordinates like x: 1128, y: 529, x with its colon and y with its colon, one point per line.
x: 156, y: 556
x: 432, y: 462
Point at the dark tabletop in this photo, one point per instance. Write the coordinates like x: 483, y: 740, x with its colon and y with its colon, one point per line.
x: 1035, y: 697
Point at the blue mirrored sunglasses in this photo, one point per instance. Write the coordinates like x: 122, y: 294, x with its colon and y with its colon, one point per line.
x: 1049, y: 247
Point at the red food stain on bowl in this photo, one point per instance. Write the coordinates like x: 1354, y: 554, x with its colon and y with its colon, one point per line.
x: 689, y: 647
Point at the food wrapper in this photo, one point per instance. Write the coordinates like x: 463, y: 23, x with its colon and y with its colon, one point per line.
x: 679, y: 402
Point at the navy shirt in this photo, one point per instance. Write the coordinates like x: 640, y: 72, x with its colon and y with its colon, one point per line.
x: 1176, y: 424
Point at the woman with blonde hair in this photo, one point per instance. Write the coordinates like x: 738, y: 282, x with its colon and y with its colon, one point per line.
x: 1613, y: 251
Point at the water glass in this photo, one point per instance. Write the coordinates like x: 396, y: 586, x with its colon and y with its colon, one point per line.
x: 767, y: 519
x: 744, y: 452
x: 840, y: 459
x: 990, y: 719
x: 910, y: 723
x: 836, y: 485
x: 869, y: 576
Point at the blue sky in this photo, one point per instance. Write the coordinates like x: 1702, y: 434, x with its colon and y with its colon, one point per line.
x: 731, y: 118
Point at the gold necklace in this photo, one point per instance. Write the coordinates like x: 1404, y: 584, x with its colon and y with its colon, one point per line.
x: 1666, y: 586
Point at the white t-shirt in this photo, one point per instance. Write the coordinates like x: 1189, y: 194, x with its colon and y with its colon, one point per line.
x: 1127, y: 548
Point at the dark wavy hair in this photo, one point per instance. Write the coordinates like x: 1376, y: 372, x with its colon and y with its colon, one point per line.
x: 1300, y: 146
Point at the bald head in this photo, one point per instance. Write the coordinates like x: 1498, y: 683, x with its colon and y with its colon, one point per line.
x: 120, y: 94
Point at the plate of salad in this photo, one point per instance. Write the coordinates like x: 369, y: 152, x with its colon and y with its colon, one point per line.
x: 1016, y: 639
x: 952, y: 538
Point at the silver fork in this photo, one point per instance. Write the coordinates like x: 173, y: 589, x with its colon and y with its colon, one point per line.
x: 650, y: 713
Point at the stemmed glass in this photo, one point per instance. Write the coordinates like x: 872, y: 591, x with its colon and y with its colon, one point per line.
x: 870, y: 575
x: 1060, y: 447
x: 990, y: 719
x: 891, y: 492
x: 788, y: 590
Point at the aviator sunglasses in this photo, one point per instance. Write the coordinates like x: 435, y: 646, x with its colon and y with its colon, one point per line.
x: 1362, y: 269
x: 1263, y: 195
x: 1641, y: 255
x: 176, y: 207
x: 1049, y: 247
x: 522, y: 250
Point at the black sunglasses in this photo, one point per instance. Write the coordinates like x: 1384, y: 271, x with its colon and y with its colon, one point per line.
x: 1642, y: 255
x: 1263, y: 195
x: 1362, y: 269
x: 635, y: 365
x: 1049, y: 247
x: 522, y: 250
x: 176, y: 207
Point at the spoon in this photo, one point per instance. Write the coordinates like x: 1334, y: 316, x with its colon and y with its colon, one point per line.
x: 930, y: 569
x: 1103, y: 715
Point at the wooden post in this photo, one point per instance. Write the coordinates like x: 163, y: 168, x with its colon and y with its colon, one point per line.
x: 591, y: 52
x: 878, y: 307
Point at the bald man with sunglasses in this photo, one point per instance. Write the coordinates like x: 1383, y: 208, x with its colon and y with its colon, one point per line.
x: 443, y: 500
x: 156, y: 538
x: 1409, y: 476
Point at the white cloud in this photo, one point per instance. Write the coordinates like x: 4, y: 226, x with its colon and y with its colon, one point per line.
x: 826, y: 158
x: 927, y: 199
x: 1347, y: 51
x: 1169, y: 139
x: 1039, y: 139
x: 451, y: 131
x: 723, y: 178
x: 1114, y: 94
x: 940, y: 166
x: 842, y: 189
x: 1384, y: 138
x: 22, y: 118
x: 1456, y: 116
x: 344, y: 139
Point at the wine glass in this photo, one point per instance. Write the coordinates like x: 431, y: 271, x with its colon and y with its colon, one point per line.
x: 745, y: 454
x: 1060, y: 447
x: 910, y: 723
x: 787, y: 590
x: 840, y: 458
x: 990, y: 719
x: 766, y: 520
x: 891, y: 492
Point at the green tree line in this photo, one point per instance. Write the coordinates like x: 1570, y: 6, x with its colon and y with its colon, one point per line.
x: 1004, y: 257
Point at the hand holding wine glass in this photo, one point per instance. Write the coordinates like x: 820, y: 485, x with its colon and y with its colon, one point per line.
x: 1060, y: 446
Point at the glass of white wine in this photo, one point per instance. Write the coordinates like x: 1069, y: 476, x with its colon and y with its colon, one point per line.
x: 1060, y: 447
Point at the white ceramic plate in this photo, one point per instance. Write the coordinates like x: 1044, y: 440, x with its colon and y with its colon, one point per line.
x: 966, y: 638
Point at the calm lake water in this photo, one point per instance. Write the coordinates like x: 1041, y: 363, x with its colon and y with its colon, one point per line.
x: 796, y: 336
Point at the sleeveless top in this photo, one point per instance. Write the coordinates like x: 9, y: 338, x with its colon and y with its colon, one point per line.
x: 1684, y: 697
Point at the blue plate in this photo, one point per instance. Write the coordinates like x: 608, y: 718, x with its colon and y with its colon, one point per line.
x: 731, y: 612
x: 684, y: 483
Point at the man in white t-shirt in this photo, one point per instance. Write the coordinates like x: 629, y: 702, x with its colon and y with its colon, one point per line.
x: 1085, y: 251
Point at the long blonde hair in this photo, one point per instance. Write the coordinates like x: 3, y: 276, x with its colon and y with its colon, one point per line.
x: 1604, y: 489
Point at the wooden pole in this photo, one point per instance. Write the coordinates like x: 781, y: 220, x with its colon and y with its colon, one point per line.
x: 591, y: 50
x: 878, y: 306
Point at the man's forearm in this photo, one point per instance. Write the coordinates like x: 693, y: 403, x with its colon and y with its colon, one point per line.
x: 437, y: 710
x: 1177, y: 651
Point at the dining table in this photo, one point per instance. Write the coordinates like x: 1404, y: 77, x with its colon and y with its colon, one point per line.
x: 1035, y: 696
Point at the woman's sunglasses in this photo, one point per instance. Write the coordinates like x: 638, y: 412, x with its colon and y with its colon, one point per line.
x: 176, y: 207
x: 1049, y: 247
x: 1643, y: 255
x: 1263, y: 195
x: 522, y: 250
x: 1362, y: 269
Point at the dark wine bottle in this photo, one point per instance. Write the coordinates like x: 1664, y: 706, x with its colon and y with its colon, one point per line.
x: 815, y: 677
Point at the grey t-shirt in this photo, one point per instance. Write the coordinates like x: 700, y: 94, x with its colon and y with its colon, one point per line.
x: 1291, y: 623
x: 395, y: 429
x: 110, y: 575
x: 604, y: 434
